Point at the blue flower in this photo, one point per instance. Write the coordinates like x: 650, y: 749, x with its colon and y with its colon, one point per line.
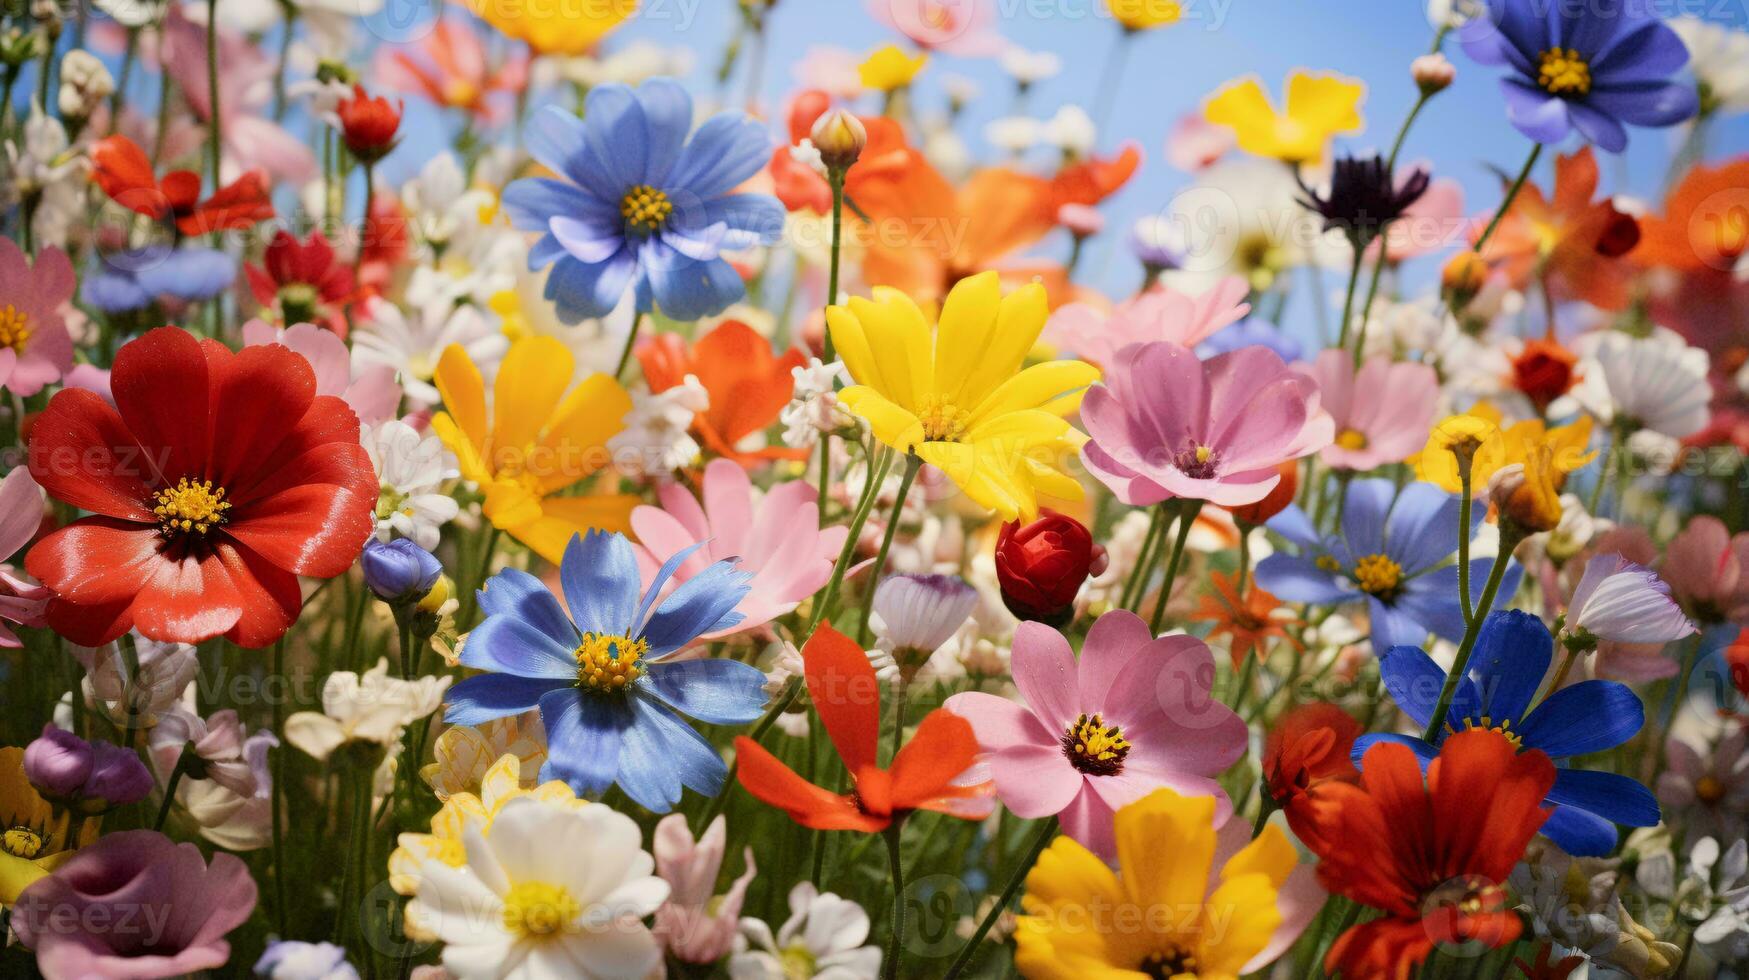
x: 133, y: 280
x: 600, y: 677
x: 398, y: 570
x: 1506, y: 668
x: 1251, y: 331
x: 1583, y: 66
x: 1393, y: 551
x: 640, y: 205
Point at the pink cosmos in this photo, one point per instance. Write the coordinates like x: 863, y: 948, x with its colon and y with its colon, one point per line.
x: 1158, y: 313
x: 1435, y: 221
x: 121, y: 878
x: 1194, y: 144
x: 1381, y: 413
x: 696, y: 925
x: 35, y: 347
x: 372, y: 391
x: 1153, y: 693
x: 958, y: 27
x: 1708, y: 570
x: 250, y: 140
x: 776, y: 537
x: 1165, y: 424
x: 22, y: 601
x: 1619, y: 601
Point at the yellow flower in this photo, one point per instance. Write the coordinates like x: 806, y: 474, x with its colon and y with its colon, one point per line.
x: 563, y: 28
x: 1318, y: 107
x: 1527, y: 495
x: 959, y: 399
x: 1156, y: 916
x: 34, y: 838
x: 466, y: 753
x: 890, y: 68
x: 1491, y: 445
x: 536, y: 441
x: 1140, y: 15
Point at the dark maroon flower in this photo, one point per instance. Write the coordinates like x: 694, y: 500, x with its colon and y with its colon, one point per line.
x: 1042, y: 565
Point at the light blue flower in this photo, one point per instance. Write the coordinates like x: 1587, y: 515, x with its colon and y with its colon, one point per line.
x: 128, y: 281
x: 640, y: 205
x: 606, y: 691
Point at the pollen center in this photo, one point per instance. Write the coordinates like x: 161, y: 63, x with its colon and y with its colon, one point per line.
x: 1094, y: 747
x: 190, y: 506
x: 14, y: 327
x: 1563, y: 72
x: 1173, y: 962
x: 1378, y: 575
x: 646, y: 207
x: 1197, y: 461
x: 943, y: 421
x: 1351, y: 439
x: 1485, y: 723
x: 21, y: 842
x: 535, y: 909
x: 1709, y: 790
x: 609, y: 663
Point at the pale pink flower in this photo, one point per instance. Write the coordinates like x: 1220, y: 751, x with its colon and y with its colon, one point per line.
x: 776, y: 537
x: 371, y: 391
x: 1707, y: 794
x: 1435, y: 221
x: 830, y: 69
x: 966, y: 28
x: 1055, y: 753
x: 249, y: 139
x: 35, y: 347
x: 1381, y: 413
x: 22, y: 601
x: 1159, y: 313
x: 1195, y: 143
x: 696, y: 925
x: 1705, y: 566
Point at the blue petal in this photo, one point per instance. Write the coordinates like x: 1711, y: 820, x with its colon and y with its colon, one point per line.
x: 1294, y: 525
x: 660, y: 579
x: 599, y: 573
x: 558, y: 140
x: 1432, y: 600
x: 1424, y: 753
x: 1508, y: 664
x: 1413, y: 680
x: 752, y: 219
x: 114, y: 292
x: 583, y: 739
x: 580, y: 291
x: 1653, y: 103
x: 533, y: 202
x: 717, y: 692
x: 613, y: 121
x: 667, y: 120
x: 703, y: 603
x: 1365, y: 509
x: 514, y: 592
x: 1599, y: 128
x: 1535, y: 113
x: 1609, y: 795
x: 660, y: 754
x: 1393, y: 626
x: 1579, y: 833
x: 1586, y: 717
x: 685, y: 289
x: 189, y: 274
x: 726, y: 150
x: 1647, y: 50
x: 544, y: 252
x: 1423, y: 527
x: 479, y: 699
x: 509, y: 645
x: 1297, y: 578
x: 590, y: 242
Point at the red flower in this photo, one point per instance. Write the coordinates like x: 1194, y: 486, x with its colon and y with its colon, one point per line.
x: 1092, y: 180
x: 1543, y: 371
x: 120, y: 167
x: 847, y: 696
x: 306, y: 279
x: 1434, y: 858
x: 368, y: 124
x: 1308, y: 747
x: 1042, y: 565
x: 221, y: 479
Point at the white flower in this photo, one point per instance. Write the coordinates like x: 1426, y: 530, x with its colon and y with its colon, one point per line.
x: 632, y: 64
x: 656, y: 428
x: 165, y: 671
x: 920, y: 612
x: 1243, y: 217
x: 370, y: 708
x: 440, y: 205
x: 823, y: 937
x: 290, y: 959
x: 808, y: 155
x: 1719, y: 58
x: 410, y: 467
x: 1071, y: 130
x: 1014, y: 134
x: 553, y: 892
x: 413, y: 346
x: 45, y: 167
x: 133, y: 13
x: 85, y: 83
x: 1030, y: 67
x: 1621, y: 602
x: 1657, y: 383
x: 813, y: 406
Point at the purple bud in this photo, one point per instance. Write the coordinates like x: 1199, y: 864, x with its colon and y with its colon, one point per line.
x: 399, y: 570
x: 57, y: 763
x: 118, y: 777
x: 91, y: 777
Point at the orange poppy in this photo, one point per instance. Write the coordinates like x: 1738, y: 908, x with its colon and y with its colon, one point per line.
x: 1705, y: 226
x: 924, y: 775
x: 1572, y: 243
x: 748, y: 385
x: 1094, y: 179
x: 1251, y: 622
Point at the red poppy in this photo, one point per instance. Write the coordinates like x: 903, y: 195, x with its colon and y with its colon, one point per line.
x: 747, y: 383
x: 1544, y: 370
x: 306, y: 279
x: 368, y: 124
x: 121, y: 168
x: 1308, y: 747
x: 215, y: 482
x: 923, y: 776
x: 1433, y: 857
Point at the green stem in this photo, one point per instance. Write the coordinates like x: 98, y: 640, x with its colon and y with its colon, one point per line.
x: 1372, y: 292
x: 1015, y: 878
x: 1464, y: 505
x: 835, y: 178
x: 1132, y: 590
x: 1186, y: 520
x: 175, y: 780
x: 778, y: 707
x: 912, y: 465
x: 625, y: 354
x: 1265, y: 807
x: 1509, y: 538
x: 1244, y: 560
x: 212, y: 87
x: 898, y: 718
x: 890, y: 967
x: 1536, y: 151
x: 877, y: 475
x: 1348, y: 295
x: 1402, y: 134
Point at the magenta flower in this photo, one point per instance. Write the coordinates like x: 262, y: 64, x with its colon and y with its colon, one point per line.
x: 22, y: 600
x: 1164, y: 424
x: 776, y: 537
x: 1381, y: 413
x: 1159, y: 313
x: 35, y: 347
x: 163, y: 910
x: 1132, y: 715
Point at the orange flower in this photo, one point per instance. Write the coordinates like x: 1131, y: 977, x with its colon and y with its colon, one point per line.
x: 748, y: 386
x: 451, y: 68
x: 1574, y: 244
x: 1250, y: 622
x: 1308, y: 746
x: 1543, y: 370
x: 1705, y: 227
x: 923, y: 776
x: 1092, y: 180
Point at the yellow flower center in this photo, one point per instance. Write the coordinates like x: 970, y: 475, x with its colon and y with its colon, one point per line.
x: 1174, y: 961
x: 14, y: 327
x: 460, y: 92
x: 449, y: 850
x: 1094, y: 747
x: 1378, y: 575
x: 1351, y: 439
x: 190, y: 506
x: 1328, y: 563
x: 609, y: 663
x: 1563, y: 72
x: 799, y: 962
x: 1709, y: 790
x: 21, y: 842
x: 1198, y: 462
x: 535, y: 909
x: 943, y: 421
x: 646, y: 207
x: 1486, y: 723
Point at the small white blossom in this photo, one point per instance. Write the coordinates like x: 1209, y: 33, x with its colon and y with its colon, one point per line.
x: 410, y: 469
x: 813, y: 407
x: 657, y: 429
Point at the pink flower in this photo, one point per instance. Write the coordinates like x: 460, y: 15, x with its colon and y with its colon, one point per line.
x: 1381, y: 413
x: 959, y: 27
x: 1435, y: 221
x: 179, y: 907
x: 35, y: 347
x: 251, y: 140
x: 1705, y: 567
x: 372, y: 391
x: 695, y: 925
x: 22, y: 601
x: 1131, y: 715
x: 1159, y: 313
x: 1164, y: 424
x: 450, y: 67
x: 1194, y: 143
x: 777, y: 538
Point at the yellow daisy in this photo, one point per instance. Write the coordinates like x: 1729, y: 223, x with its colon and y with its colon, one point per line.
x: 1318, y: 108
x: 34, y: 838
x: 554, y: 28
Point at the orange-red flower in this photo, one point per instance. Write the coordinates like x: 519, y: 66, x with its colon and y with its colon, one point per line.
x: 1573, y: 243
x: 368, y: 124
x: 1249, y: 622
x: 450, y: 67
x: 748, y: 385
x: 1308, y: 746
x: 925, y: 775
x: 1544, y: 370
x: 1434, y: 858
x: 121, y: 168
x: 1705, y: 227
x: 1094, y: 179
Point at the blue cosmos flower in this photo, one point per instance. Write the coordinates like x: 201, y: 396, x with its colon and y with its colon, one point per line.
x: 133, y: 280
x: 1251, y: 331
x: 1583, y: 66
x: 1393, y: 551
x: 1506, y: 668
x: 640, y: 205
x: 606, y: 692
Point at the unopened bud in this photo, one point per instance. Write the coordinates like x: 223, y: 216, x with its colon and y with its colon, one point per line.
x: 1525, y: 494
x: 1463, y: 277
x: 1432, y: 72
x: 840, y: 137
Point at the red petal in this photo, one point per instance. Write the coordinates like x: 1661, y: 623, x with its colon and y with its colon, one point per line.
x: 258, y: 397
x: 328, y: 422
x: 120, y: 167
x: 160, y: 385
x: 271, y: 597
x: 1482, y: 767
x: 96, y: 560
x: 846, y: 694
x: 943, y: 747
x: 82, y: 454
x: 774, y: 783
x: 241, y: 204
x: 90, y: 625
x: 182, y: 189
x: 189, y: 600
x: 316, y: 530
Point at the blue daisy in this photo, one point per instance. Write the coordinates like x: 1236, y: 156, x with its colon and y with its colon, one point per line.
x: 1393, y: 551
x: 1507, y: 666
x: 640, y: 205
x: 133, y: 280
x: 610, y: 700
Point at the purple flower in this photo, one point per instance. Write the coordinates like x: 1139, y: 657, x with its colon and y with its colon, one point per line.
x: 134, y: 905
x: 91, y: 777
x: 399, y: 571
x: 1589, y: 67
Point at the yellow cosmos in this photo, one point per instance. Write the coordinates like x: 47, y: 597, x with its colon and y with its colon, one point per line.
x: 34, y: 839
x: 1481, y: 432
x: 959, y: 399
x: 1157, y: 915
x: 1141, y: 15
x: 1318, y: 108
x: 562, y: 27
x: 535, y: 441
x: 890, y: 68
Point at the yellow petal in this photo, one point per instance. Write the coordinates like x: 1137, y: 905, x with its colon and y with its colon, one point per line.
x: 1325, y: 103
x: 1019, y: 319
x: 979, y: 476
x: 1243, y: 106
x: 576, y: 438
x: 1165, y: 848
x: 467, y: 456
x: 563, y: 517
x: 891, y: 424
x: 898, y: 339
x: 458, y: 380
x: 1069, y: 875
x: 965, y: 332
x: 1056, y: 387
x: 851, y: 342
x: 531, y: 380
x: 1018, y: 430
x: 1236, y: 924
x: 1271, y: 855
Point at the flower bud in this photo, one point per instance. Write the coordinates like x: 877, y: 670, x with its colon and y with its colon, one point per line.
x: 1275, y: 501
x: 915, y: 614
x: 1463, y: 277
x: 1432, y: 73
x: 840, y: 137
x: 57, y: 763
x: 368, y: 124
x: 399, y: 571
x: 1525, y: 494
x: 1041, y: 566
x: 441, y: 591
x: 89, y: 777
x: 85, y: 83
